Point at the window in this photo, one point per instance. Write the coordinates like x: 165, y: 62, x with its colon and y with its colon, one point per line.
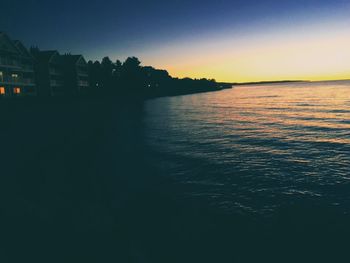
x: 1, y: 76
x: 14, y: 78
x: 17, y: 90
x: 2, y: 91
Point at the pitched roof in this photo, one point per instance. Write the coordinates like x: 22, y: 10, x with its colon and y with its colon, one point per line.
x: 72, y: 59
x: 45, y: 55
x: 22, y: 49
x: 7, y: 44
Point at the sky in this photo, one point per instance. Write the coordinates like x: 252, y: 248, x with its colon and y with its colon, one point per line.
x: 228, y: 40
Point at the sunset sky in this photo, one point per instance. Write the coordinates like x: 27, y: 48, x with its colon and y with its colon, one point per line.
x: 234, y: 41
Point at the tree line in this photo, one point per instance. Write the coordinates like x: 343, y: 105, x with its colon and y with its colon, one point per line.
x: 130, y: 78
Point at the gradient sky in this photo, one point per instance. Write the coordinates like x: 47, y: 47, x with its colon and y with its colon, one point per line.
x: 245, y: 40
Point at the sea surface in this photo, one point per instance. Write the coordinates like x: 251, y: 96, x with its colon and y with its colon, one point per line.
x: 257, y: 148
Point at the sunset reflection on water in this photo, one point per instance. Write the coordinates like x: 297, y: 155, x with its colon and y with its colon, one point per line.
x: 255, y: 148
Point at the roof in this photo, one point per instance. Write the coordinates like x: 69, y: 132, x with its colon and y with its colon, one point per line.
x: 22, y: 49
x: 72, y: 59
x: 7, y: 45
x: 46, y: 55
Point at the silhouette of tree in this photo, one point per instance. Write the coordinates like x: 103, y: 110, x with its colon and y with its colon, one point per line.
x: 106, y: 73
x: 132, y: 63
x: 95, y: 77
x: 118, y: 69
x: 131, y: 75
x: 117, y: 73
x: 108, y: 78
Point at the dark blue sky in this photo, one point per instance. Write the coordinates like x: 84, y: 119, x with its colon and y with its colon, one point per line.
x: 124, y: 27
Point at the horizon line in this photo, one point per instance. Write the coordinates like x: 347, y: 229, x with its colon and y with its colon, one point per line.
x: 281, y: 81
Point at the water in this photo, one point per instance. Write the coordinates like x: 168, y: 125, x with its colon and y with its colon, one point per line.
x: 255, y: 149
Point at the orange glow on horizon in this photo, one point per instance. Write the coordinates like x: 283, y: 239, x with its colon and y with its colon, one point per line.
x: 314, y: 53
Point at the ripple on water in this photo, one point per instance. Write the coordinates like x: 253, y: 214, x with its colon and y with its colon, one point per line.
x: 257, y: 148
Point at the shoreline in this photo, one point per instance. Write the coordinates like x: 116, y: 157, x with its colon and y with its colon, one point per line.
x: 106, y: 96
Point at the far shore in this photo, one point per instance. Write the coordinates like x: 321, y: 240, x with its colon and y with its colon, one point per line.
x: 283, y: 82
x: 269, y: 82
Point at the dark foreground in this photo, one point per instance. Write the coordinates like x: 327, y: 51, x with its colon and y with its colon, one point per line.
x: 76, y: 186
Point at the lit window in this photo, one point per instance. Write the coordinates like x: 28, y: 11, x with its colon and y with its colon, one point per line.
x: 16, y: 90
x: 2, y: 90
x: 14, y: 77
x: 1, y: 76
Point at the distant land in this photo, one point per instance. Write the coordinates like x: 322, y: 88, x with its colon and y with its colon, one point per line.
x: 276, y: 82
x: 270, y: 82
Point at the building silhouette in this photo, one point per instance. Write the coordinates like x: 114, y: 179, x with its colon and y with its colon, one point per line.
x: 48, y: 72
x: 76, y: 77
x: 60, y: 75
x: 17, y: 76
x: 39, y: 73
